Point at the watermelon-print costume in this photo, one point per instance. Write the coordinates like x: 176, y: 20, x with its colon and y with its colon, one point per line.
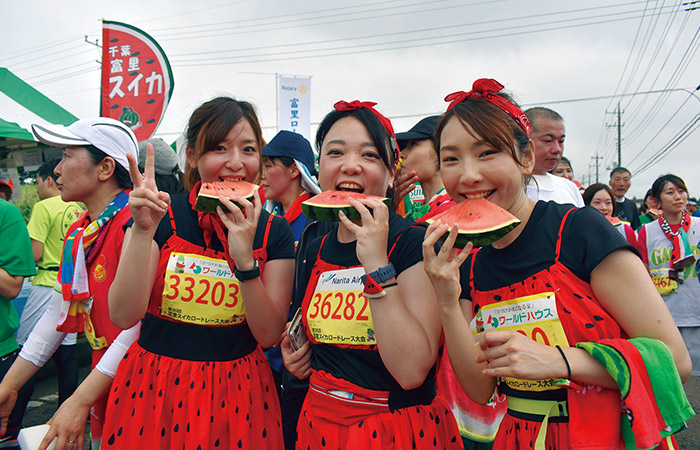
x: 353, y: 401
x: 573, y: 315
x: 197, y: 378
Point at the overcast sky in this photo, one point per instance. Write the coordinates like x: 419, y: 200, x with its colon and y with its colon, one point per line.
x: 406, y: 55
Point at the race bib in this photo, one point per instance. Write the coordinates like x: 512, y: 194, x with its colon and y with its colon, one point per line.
x: 664, y: 284
x: 536, y: 317
x: 95, y: 342
x: 338, y: 312
x: 201, y: 290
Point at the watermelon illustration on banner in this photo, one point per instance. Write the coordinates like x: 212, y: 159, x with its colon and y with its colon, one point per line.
x: 137, y: 81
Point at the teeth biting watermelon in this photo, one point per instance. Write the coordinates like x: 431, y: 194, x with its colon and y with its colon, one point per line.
x: 209, y: 193
x: 480, y: 222
x: 325, y: 206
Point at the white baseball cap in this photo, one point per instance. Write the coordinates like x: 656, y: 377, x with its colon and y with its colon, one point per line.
x: 109, y: 135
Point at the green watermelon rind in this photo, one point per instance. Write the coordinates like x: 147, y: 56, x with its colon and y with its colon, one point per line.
x: 482, y: 238
x: 328, y: 213
x: 207, y: 203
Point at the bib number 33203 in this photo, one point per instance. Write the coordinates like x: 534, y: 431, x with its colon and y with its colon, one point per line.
x: 201, y: 290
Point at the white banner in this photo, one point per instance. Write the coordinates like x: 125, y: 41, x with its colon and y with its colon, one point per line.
x: 294, y: 105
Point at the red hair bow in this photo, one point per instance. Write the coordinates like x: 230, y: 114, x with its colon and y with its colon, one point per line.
x: 386, y: 123
x: 485, y: 89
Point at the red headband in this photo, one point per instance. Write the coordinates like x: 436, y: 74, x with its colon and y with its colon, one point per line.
x: 386, y: 123
x: 486, y: 88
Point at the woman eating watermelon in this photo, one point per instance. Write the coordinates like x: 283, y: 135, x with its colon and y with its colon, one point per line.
x: 560, y: 310
x: 669, y: 248
x: 214, y: 288
x: 601, y: 197
x: 368, y: 309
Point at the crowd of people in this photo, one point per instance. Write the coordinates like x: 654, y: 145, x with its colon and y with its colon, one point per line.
x: 575, y: 329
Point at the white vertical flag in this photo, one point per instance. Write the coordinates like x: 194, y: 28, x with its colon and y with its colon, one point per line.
x: 294, y: 105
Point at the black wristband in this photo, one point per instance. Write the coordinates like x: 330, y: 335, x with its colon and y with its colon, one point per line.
x: 568, y: 367
x: 245, y: 275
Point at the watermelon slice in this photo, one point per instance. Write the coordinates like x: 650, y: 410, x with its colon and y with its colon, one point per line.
x: 480, y: 222
x: 325, y: 206
x: 209, y: 193
x: 614, y: 220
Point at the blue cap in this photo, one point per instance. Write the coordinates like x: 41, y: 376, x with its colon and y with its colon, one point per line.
x: 292, y: 145
x: 295, y: 146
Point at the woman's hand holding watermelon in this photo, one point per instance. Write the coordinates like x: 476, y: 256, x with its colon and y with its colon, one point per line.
x: 371, y: 234
x: 443, y: 268
x: 241, y: 228
x: 147, y: 204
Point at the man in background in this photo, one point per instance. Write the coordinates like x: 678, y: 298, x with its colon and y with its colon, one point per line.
x: 548, y: 134
x: 620, y: 182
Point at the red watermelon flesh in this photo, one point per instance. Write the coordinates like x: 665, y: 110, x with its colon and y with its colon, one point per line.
x: 209, y: 193
x: 325, y: 206
x: 614, y: 220
x: 479, y: 220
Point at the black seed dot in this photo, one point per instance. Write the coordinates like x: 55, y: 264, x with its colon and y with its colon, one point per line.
x: 133, y: 396
x: 374, y: 434
x: 211, y: 419
x: 497, y: 297
x: 590, y: 325
x: 216, y: 444
x: 223, y: 404
x: 119, y: 431
x: 111, y: 440
x: 580, y: 297
x: 323, y: 441
x: 565, y: 310
x: 421, y: 434
x: 437, y: 420
x: 179, y: 405
x: 160, y: 393
x: 192, y: 385
x: 598, y: 318
x: 359, y: 425
x: 265, y: 406
x: 188, y: 428
x: 434, y: 442
x: 116, y: 400
x: 128, y: 382
x: 240, y: 444
x: 141, y: 431
x: 176, y: 428
x: 177, y: 381
x: 141, y: 394
x: 162, y: 432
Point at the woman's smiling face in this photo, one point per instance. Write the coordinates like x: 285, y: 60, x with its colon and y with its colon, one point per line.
x: 237, y: 157
x: 473, y: 168
x: 350, y: 161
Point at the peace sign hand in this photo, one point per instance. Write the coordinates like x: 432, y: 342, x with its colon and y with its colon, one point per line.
x: 147, y: 204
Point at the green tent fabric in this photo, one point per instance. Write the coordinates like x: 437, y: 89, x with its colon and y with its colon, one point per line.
x: 21, y: 105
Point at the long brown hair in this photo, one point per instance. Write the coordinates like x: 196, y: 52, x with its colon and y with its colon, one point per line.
x: 209, y: 125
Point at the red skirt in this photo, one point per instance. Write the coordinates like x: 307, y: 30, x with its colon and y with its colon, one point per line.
x: 167, y: 403
x: 333, y: 421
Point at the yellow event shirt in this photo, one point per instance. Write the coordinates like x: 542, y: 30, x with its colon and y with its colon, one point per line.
x: 48, y: 224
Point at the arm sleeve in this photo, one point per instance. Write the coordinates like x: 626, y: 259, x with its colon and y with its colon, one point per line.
x: 587, y: 240
x: 115, y: 353
x: 16, y: 257
x: 44, y: 339
x: 408, y: 249
x: 280, y: 242
x: 39, y: 224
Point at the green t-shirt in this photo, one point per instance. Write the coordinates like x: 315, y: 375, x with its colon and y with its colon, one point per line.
x: 50, y: 220
x: 17, y: 259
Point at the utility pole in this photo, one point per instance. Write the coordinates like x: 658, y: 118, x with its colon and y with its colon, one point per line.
x: 597, y: 160
x: 619, y: 124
